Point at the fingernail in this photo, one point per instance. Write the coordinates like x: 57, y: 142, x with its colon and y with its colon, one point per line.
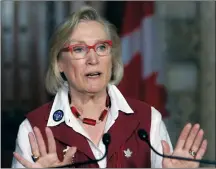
x: 30, y: 133
x: 162, y: 142
x: 35, y: 128
x: 197, y: 125
x: 189, y: 125
x: 201, y: 131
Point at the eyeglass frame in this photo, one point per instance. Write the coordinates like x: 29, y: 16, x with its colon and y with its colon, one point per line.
x: 70, y: 47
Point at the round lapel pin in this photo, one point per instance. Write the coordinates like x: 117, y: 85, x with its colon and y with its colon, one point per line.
x: 58, y: 115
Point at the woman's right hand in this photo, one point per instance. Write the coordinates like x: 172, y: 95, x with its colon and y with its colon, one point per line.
x: 47, y: 159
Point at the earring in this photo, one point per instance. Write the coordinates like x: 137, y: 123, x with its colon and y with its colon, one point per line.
x: 63, y: 76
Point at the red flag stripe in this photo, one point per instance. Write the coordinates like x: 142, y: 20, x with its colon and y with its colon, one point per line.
x: 135, y: 11
x: 140, y: 77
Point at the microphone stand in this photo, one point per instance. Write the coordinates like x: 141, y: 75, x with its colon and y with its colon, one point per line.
x: 106, y: 141
x: 144, y: 137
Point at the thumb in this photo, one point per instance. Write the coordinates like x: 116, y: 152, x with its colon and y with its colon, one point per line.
x: 166, y: 151
x: 68, y: 158
x: 166, y: 148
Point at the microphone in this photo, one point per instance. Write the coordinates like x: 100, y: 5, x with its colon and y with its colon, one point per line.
x: 106, y: 141
x: 143, y: 135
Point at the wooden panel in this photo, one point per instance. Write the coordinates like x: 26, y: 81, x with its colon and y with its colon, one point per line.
x: 24, y: 33
x: 34, y: 71
x: 75, y: 5
x: 7, y: 54
x: 25, y: 78
x: 59, y: 11
x: 42, y: 48
x: 16, y: 57
x: 7, y: 31
x: 8, y: 90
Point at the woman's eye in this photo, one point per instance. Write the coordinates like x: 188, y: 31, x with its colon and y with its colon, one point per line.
x: 102, y: 47
x: 78, y: 49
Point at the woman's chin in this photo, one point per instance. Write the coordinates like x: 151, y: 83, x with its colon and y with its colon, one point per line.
x: 95, y: 89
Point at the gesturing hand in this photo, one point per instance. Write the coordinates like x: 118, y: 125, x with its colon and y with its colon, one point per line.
x: 48, y: 158
x: 190, y: 144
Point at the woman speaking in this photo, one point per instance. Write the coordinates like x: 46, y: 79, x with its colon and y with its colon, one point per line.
x: 85, y: 67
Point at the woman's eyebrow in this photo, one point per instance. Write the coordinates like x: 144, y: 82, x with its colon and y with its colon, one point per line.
x: 80, y: 41
x: 74, y: 40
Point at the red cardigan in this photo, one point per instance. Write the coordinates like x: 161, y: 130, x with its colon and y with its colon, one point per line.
x: 123, y: 135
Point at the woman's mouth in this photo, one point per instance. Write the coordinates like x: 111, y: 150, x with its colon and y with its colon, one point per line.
x: 93, y: 74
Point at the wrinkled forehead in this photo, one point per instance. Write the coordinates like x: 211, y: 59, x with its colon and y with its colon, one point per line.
x: 89, y: 32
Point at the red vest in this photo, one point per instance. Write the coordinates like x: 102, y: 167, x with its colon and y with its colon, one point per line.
x: 123, y: 135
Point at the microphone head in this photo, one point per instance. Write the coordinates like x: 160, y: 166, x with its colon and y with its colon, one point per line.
x: 106, y: 139
x: 143, y: 135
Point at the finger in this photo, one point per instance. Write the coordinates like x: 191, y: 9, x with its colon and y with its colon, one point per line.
x: 202, y: 150
x: 33, y: 143
x: 191, y: 137
x: 68, y: 159
x: 198, y: 141
x: 23, y: 161
x: 166, y: 151
x: 40, y: 141
x: 51, y: 140
x: 183, y: 136
x: 166, y: 148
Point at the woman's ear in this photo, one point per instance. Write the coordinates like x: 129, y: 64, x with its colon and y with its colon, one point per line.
x: 61, y: 70
x: 60, y: 66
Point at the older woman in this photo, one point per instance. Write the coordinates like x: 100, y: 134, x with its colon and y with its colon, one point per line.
x: 85, y: 66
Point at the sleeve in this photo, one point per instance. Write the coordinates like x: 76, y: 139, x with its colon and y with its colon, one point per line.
x: 22, y: 144
x: 158, y: 132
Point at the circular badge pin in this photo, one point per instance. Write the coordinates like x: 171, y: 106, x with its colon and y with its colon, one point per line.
x: 58, y: 115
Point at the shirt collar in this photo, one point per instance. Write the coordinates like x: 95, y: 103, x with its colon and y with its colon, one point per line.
x: 118, y: 102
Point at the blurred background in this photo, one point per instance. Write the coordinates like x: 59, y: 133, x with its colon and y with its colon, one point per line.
x: 168, y: 49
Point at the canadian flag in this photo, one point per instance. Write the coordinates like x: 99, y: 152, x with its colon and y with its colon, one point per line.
x: 138, y: 38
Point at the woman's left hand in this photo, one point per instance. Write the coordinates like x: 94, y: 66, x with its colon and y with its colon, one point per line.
x: 190, y: 145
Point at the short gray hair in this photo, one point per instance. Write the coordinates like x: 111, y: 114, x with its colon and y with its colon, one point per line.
x: 61, y: 36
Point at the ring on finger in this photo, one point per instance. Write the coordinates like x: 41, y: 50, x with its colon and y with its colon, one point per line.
x: 35, y: 158
x: 193, y: 153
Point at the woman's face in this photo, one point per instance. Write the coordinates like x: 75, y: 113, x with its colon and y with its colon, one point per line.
x: 90, y: 73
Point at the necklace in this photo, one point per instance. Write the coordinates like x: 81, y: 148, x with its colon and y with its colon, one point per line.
x: 90, y: 121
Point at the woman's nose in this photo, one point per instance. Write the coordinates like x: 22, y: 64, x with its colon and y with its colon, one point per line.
x: 92, y: 57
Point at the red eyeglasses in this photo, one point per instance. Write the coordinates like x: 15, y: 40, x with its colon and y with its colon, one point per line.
x: 79, y: 51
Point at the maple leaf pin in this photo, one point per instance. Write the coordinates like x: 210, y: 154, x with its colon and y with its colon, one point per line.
x: 128, y: 153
